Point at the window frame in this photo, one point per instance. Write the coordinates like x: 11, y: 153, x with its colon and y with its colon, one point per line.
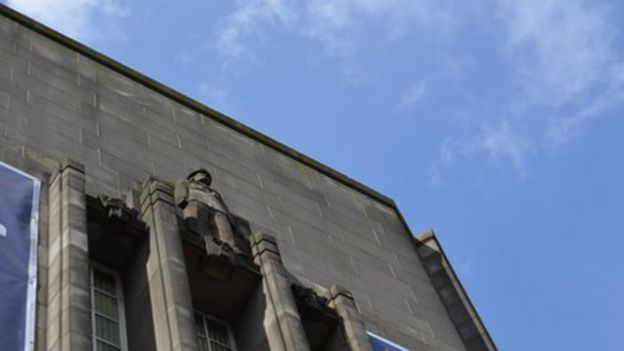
x: 206, y: 316
x: 123, y: 342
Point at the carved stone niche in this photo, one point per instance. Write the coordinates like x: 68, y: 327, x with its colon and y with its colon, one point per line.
x: 222, y: 276
x: 332, y: 322
x: 119, y: 240
x: 116, y: 234
x: 220, y: 285
x: 321, y: 323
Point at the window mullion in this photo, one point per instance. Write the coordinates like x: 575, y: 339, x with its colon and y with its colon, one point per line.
x: 116, y: 327
x: 206, y: 331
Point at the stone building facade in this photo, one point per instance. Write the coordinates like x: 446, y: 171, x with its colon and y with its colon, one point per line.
x: 137, y: 251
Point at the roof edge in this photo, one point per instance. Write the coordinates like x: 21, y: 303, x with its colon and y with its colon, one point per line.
x: 191, y: 103
x: 462, y: 312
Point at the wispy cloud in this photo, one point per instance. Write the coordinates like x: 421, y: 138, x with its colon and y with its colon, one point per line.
x: 565, y: 62
x: 342, y: 28
x: 499, y: 141
x: 503, y: 142
x: 249, y: 22
x: 565, y: 71
x: 74, y: 18
x: 562, y: 130
x: 560, y: 49
x: 413, y: 95
x: 558, y: 61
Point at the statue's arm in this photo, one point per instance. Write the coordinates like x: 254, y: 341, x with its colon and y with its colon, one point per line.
x: 224, y: 205
x: 180, y: 194
x: 219, y: 198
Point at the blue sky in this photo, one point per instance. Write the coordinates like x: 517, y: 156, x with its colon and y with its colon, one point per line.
x: 497, y: 123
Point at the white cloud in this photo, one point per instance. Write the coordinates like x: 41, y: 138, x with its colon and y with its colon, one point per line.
x: 561, y: 49
x: 184, y: 58
x: 343, y: 26
x: 72, y: 17
x: 500, y: 142
x: 559, y: 57
x: 562, y: 130
x: 566, y: 71
x: 248, y: 22
x: 503, y: 142
x: 565, y: 62
x: 413, y: 94
x: 339, y: 26
x: 454, y: 148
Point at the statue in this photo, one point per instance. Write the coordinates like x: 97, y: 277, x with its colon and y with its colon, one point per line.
x: 205, y: 212
x: 117, y: 209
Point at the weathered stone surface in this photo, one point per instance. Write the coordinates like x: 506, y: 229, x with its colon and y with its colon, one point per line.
x: 355, y: 331
x: 172, y: 308
x: 57, y: 103
x: 282, y: 323
x: 68, y: 296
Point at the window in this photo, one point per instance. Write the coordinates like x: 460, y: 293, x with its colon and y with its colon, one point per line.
x: 213, y: 335
x: 107, y: 314
x: 380, y: 344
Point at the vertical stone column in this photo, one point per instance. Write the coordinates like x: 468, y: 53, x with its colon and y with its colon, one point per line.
x: 281, y: 319
x: 342, y: 301
x: 172, y: 307
x: 69, y: 303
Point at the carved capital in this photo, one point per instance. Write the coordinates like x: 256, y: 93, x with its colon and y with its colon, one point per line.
x: 117, y: 209
x: 264, y: 243
x: 312, y: 305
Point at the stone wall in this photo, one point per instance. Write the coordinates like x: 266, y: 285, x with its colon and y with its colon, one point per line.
x: 56, y: 103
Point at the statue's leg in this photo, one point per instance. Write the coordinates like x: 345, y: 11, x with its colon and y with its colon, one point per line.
x: 203, y: 220
x: 197, y: 217
x: 224, y: 228
x: 191, y: 217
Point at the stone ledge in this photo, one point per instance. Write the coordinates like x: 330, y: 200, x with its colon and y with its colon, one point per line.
x: 464, y: 316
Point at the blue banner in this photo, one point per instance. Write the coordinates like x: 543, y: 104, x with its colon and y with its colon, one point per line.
x: 380, y: 344
x: 19, y: 217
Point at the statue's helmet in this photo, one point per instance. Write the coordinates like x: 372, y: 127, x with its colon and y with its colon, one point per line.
x: 200, y: 175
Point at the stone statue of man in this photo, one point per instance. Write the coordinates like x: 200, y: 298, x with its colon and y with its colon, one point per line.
x: 204, y: 209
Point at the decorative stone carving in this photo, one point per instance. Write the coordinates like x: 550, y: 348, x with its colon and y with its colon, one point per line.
x: 116, y: 209
x: 206, y: 214
x: 310, y: 304
x: 116, y: 216
x: 355, y: 332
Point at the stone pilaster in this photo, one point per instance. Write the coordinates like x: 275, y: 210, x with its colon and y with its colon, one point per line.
x: 172, y: 306
x: 282, y: 323
x: 342, y: 302
x: 69, y: 303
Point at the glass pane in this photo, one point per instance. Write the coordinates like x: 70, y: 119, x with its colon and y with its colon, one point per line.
x: 203, y: 344
x: 105, y: 305
x: 218, y: 347
x: 199, y: 325
x: 106, y: 347
x: 218, y: 332
x: 104, y: 282
x: 107, y: 330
